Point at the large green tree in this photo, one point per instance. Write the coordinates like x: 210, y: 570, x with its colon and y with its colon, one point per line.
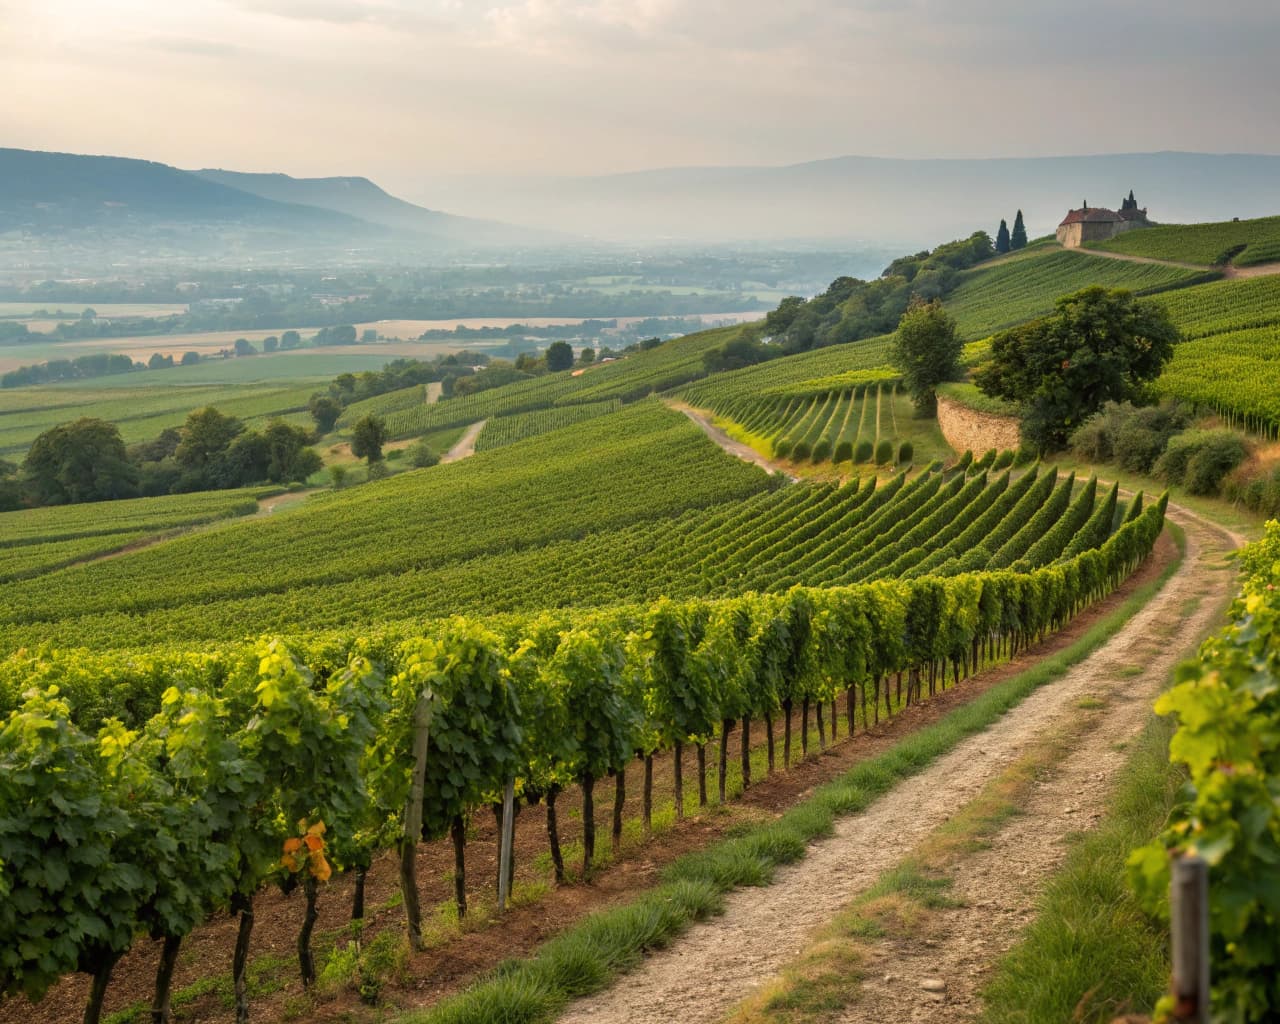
x: 368, y: 435
x: 926, y: 350
x: 325, y: 410
x: 1018, y: 239
x: 81, y: 461
x: 1099, y: 345
x: 288, y: 454
x: 559, y: 356
x: 206, y: 435
x: 1002, y: 237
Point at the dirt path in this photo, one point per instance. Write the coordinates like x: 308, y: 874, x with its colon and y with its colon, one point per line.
x: 466, y: 446
x: 1229, y: 272
x: 735, y: 448
x: 720, y: 962
x: 434, y: 390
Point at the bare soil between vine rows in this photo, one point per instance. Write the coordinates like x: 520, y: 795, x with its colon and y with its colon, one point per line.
x: 459, y: 959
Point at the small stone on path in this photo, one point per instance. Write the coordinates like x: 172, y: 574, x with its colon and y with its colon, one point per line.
x: 933, y: 985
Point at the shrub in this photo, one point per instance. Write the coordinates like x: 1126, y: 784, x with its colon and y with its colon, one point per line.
x: 1200, y: 459
x: 884, y: 452
x: 863, y: 452
x: 801, y: 451
x: 781, y: 448
x: 1256, y: 488
x: 1138, y: 448
x: 844, y: 452
x: 821, y: 451
x: 421, y: 456
x: 1133, y: 437
x: 906, y: 451
x: 1092, y: 441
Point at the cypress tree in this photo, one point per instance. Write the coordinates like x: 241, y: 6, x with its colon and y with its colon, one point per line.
x: 1019, y: 237
x: 1002, y: 237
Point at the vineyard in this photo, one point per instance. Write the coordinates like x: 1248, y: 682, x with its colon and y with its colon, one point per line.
x: 505, y: 430
x: 38, y: 541
x: 1243, y: 243
x: 1224, y: 306
x: 667, y: 366
x: 1012, y: 291
x: 598, y: 588
x: 235, y: 766
x: 858, y: 425
x: 1236, y: 375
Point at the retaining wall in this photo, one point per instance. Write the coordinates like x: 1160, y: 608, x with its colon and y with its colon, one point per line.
x: 966, y: 428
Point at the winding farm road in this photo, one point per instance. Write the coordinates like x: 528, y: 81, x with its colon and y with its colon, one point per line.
x: 466, y: 446
x: 720, y: 962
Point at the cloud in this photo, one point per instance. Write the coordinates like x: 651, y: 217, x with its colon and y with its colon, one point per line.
x: 386, y: 14
x: 194, y: 47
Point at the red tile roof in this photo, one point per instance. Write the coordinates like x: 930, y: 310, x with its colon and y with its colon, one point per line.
x: 1091, y: 215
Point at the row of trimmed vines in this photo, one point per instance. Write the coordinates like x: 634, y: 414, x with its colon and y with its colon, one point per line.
x: 284, y: 761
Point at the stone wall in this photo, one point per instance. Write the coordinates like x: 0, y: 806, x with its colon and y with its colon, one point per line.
x: 968, y: 429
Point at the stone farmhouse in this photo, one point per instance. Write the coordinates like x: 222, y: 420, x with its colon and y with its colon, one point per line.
x: 1096, y: 223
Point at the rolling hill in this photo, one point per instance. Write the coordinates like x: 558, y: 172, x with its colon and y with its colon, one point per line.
x: 122, y: 206
x: 360, y: 197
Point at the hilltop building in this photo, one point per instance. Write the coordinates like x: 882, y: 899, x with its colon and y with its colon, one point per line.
x: 1094, y: 224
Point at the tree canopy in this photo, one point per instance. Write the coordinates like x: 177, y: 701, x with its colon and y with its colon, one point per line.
x: 368, y: 435
x: 1099, y: 345
x: 926, y: 350
x: 851, y: 309
x: 559, y: 356
x: 1002, y: 237
x: 1018, y: 239
x: 81, y: 461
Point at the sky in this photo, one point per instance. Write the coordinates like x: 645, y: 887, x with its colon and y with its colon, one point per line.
x: 405, y: 91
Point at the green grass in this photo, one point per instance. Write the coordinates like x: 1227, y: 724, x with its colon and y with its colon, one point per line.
x: 1242, y: 242
x: 968, y: 395
x: 588, y: 956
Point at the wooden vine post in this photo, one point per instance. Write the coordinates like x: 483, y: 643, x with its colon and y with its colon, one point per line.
x: 413, y: 821
x: 505, y: 850
x: 1189, y: 921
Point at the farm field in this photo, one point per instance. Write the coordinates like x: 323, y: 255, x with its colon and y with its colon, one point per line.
x: 1013, y: 290
x: 38, y: 541
x: 1240, y: 243
x: 402, y: 332
x: 141, y: 413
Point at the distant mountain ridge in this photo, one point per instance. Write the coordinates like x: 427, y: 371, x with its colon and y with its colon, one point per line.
x: 360, y: 197
x: 911, y: 202
x: 106, y: 200
x: 68, y: 189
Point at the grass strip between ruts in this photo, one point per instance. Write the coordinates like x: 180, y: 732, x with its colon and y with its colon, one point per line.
x: 588, y: 956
